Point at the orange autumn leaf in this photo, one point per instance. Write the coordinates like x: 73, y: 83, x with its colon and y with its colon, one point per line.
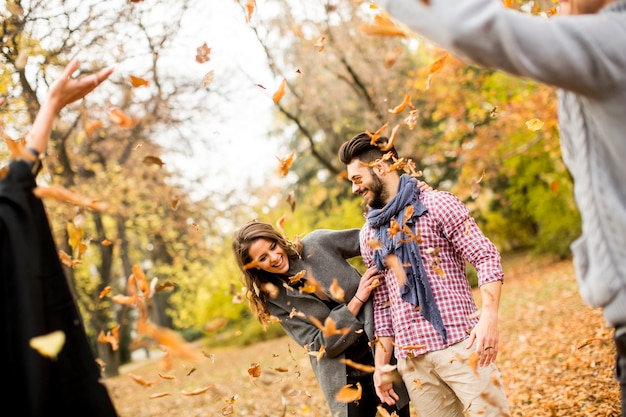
x: 93, y: 125
x: 435, y: 67
x: 197, y: 391
x: 106, y: 242
x: 280, y: 224
x: 112, y: 337
x: 254, y: 370
x: 153, y: 160
x: 382, y: 26
x: 202, y: 53
x: 374, y: 136
x: 438, y: 64
x: 208, y: 79
x: 394, y: 264
x: 175, y: 344
x: 280, y: 92
x: 140, y: 380
x: 124, y: 300
x: 320, y: 43
x: 120, y: 118
x: 67, y: 259
x: 336, y: 291
x: 250, y: 6
x: 392, y: 139
x: 140, y: 279
x: 406, y: 102
x: 166, y: 376
x: 17, y: 149
x: 349, y: 393
x: 105, y: 291
x: 65, y: 195
x: 359, y: 366
x: 284, y: 164
x: 138, y: 81
x: 329, y: 327
x: 159, y: 395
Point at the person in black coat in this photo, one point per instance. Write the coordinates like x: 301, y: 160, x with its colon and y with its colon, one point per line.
x: 35, y: 295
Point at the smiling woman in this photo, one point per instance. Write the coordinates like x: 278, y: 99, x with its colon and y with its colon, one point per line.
x: 321, y: 301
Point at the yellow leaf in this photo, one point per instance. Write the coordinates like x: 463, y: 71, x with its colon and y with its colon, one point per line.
x: 49, y: 345
x: 534, y: 124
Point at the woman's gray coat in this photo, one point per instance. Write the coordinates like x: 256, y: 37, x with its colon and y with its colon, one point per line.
x: 324, y: 258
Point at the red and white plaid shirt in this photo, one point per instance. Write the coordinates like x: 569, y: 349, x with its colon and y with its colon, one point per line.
x: 448, y: 227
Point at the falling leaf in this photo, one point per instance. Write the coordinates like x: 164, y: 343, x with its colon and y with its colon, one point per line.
x: 284, y: 164
x: 587, y: 342
x: 291, y: 200
x: 359, y: 366
x: 482, y: 177
x: 250, y: 6
x: 336, y: 291
x: 106, y: 242
x: 120, y: 118
x: 534, y: 124
x: 392, y: 138
x: 280, y: 224
x: 67, y: 260
x: 159, y: 395
x: 382, y: 27
x: 406, y: 102
x: 202, y: 53
x: 153, y: 160
x: 63, y: 194
x: 17, y: 149
x: 197, y: 391
x: 254, y: 370
x: 280, y: 92
x: 435, y: 67
x: 395, y: 265
x: 92, y: 125
x: 349, y: 393
x: 105, y: 291
x: 138, y: 81
x: 319, y: 43
x: 215, y: 324
x: 75, y: 234
x: 112, y: 337
x: 329, y: 327
x: 48, y: 345
x: 208, y: 79
x: 140, y: 380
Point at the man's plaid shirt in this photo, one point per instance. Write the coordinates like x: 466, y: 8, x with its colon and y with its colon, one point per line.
x: 449, y: 238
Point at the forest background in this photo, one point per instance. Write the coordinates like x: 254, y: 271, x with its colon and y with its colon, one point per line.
x: 161, y: 251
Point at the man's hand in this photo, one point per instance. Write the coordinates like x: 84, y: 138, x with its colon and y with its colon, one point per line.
x: 383, y: 384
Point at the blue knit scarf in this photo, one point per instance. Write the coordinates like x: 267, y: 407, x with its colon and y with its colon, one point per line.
x: 416, y: 290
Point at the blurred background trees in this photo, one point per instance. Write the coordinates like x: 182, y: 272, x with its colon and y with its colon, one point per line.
x: 490, y: 138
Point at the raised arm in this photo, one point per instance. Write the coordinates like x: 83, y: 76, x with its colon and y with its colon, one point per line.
x: 63, y: 91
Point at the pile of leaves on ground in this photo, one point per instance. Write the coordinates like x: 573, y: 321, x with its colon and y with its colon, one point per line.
x: 556, y: 357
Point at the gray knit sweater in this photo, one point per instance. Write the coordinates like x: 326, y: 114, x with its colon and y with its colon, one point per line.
x: 583, y: 56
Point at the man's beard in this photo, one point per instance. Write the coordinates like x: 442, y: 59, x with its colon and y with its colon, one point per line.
x: 379, y: 194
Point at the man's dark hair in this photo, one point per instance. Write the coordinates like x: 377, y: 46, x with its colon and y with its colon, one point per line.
x: 360, y: 147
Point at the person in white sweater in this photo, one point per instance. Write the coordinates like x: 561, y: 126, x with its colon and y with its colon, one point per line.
x: 581, y: 52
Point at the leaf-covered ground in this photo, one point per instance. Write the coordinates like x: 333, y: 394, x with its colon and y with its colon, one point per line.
x: 556, y: 357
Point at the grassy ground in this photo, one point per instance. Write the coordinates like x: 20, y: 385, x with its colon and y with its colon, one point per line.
x: 556, y: 358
